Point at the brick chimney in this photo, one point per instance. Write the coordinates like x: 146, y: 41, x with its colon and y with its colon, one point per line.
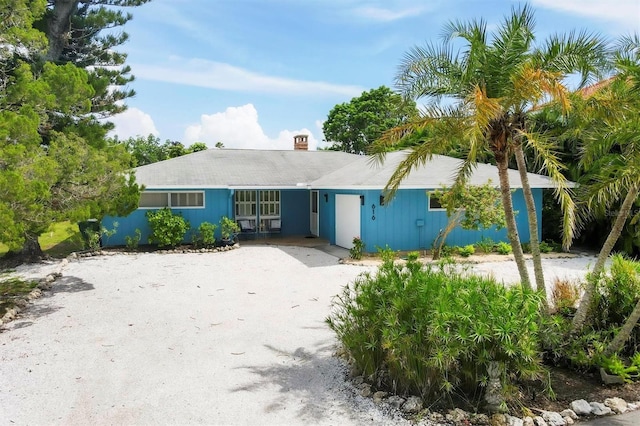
x: 300, y: 142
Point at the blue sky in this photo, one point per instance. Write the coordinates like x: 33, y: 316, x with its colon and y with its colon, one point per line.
x: 253, y: 73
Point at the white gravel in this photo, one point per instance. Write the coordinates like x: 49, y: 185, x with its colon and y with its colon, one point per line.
x: 218, y: 338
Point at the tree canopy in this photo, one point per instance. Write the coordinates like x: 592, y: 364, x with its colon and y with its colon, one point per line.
x: 490, y: 83
x: 55, y: 162
x: 353, y: 126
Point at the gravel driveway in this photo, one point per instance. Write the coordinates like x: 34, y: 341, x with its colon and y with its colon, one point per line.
x: 216, y: 338
x: 221, y: 338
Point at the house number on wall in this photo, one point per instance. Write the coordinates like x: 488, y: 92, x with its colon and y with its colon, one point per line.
x: 373, y: 212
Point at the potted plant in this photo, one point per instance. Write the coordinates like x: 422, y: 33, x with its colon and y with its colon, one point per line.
x: 229, y: 230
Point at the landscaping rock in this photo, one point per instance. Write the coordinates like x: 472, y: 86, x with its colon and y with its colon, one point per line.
x: 365, y: 390
x: 553, y: 419
x: 569, y: 421
x: 379, y: 396
x: 570, y: 413
x: 618, y: 405
x: 435, y: 417
x: 498, y: 419
x: 539, y: 421
x: 599, y: 409
x: 457, y: 415
x: 528, y: 421
x: 412, y: 405
x: 514, y: 421
x: 396, y: 401
x: 479, y: 419
x: 581, y: 407
x: 633, y: 406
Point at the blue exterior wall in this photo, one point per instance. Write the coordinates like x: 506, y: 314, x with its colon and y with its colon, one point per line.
x: 294, y: 213
x: 406, y: 223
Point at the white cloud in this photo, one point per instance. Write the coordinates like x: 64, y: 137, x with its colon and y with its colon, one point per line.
x: 624, y: 12
x: 386, y: 15
x: 133, y: 122
x: 222, y: 76
x: 239, y: 128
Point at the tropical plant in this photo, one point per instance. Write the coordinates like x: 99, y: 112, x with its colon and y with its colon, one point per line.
x: 471, y: 208
x: 355, y: 252
x: 467, y: 250
x: 486, y: 245
x: 612, y: 152
x: 431, y: 330
x: 228, y: 227
x: 206, y: 235
x: 167, y: 228
x: 483, y: 93
x: 503, y: 248
x: 132, y: 242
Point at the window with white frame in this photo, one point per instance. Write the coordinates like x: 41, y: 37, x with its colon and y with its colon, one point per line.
x: 160, y: 199
x: 434, y: 202
x: 245, y: 204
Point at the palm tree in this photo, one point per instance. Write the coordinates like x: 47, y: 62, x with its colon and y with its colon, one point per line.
x: 612, y: 154
x: 483, y: 90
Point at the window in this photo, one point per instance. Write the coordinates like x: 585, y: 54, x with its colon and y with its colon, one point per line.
x: 187, y: 199
x: 261, y: 207
x: 157, y: 199
x: 152, y: 200
x: 270, y: 203
x: 245, y: 204
x: 434, y: 203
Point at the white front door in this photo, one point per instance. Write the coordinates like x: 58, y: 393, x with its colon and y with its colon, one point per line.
x: 315, y: 219
x: 347, y: 219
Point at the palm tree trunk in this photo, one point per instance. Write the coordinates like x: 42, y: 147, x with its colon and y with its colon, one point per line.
x: 605, y: 251
x: 512, y: 229
x: 625, y: 332
x: 533, y: 222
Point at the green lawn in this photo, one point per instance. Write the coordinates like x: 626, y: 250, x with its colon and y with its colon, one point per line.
x: 60, y: 240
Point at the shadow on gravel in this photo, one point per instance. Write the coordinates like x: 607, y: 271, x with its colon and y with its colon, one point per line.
x: 312, y: 258
x: 70, y: 285
x: 310, y: 378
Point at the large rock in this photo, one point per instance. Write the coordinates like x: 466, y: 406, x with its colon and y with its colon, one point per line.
x: 396, y: 401
x: 581, y: 407
x: 514, y: 421
x: 570, y: 413
x: 599, y: 409
x: 412, y: 405
x: 618, y: 405
x: 553, y: 419
x: 457, y: 416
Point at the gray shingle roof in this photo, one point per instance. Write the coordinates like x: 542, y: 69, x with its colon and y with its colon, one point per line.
x: 440, y: 171
x: 223, y: 168
x: 242, y: 167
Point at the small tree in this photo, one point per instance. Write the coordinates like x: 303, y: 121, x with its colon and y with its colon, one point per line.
x: 167, y: 229
x: 470, y: 207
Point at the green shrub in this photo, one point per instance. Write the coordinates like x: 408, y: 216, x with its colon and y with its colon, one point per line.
x: 617, y: 293
x: 132, y: 242
x: 486, y: 245
x: 355, y: 252
x: 466, y: 251
x: 503, y: 248
x: 228, y: 227
x: 448, y: 251
x: 167, y: 229
x: 545, y: 247
x: 429, y: 330
x: 206, y: 235
x: 526, y: 248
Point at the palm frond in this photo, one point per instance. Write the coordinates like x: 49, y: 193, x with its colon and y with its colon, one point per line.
x: 584, y: 53
x: 549, y: 163
x: 429, y: 71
